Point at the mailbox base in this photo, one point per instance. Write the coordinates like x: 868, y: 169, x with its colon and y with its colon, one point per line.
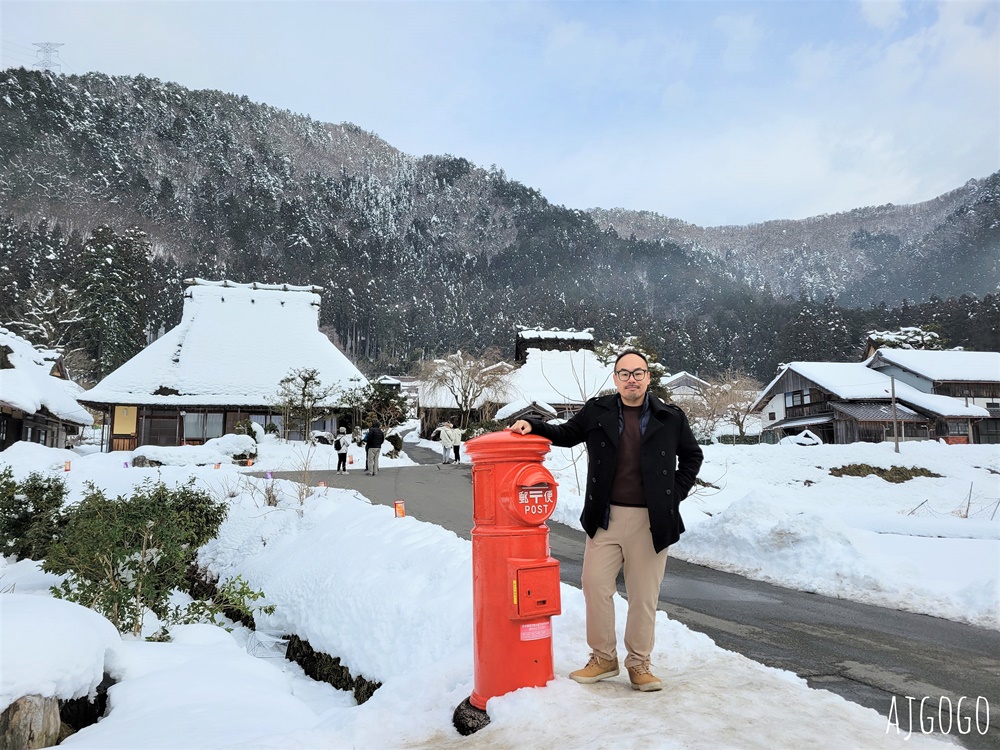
x: 469, y: 719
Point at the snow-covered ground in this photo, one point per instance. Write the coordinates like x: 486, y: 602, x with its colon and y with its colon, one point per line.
x: 776, y: 514
x: 392, y: 598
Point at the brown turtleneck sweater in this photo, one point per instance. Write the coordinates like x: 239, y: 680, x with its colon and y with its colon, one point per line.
x: 627, y: 486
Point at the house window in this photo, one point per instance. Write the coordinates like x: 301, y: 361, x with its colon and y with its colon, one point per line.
x: 770, y: 416
x: 202, y: 426
x: 992, y: 405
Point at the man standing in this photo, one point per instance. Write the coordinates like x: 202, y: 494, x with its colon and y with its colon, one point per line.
x: 643, y: 460
x: 373, y: 446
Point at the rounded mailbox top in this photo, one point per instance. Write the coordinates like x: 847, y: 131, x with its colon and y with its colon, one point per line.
x: 501, y: 447
x: 532, y: 497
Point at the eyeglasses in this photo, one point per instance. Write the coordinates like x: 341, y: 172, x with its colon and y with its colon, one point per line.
x: 637, y: 375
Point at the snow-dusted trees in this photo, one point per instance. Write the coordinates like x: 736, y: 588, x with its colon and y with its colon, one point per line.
x: 906, y: 337
x: 114, y: 293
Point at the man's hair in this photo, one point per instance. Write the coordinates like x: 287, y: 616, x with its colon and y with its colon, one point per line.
x: 631, y: 351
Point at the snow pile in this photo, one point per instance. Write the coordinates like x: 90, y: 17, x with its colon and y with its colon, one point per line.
x: 51, y: 648
x: 216, y: 450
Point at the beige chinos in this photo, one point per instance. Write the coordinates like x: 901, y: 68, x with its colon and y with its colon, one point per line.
x: 627, y: 541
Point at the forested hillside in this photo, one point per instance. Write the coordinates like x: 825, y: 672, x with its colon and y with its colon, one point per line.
x: 113, y: 190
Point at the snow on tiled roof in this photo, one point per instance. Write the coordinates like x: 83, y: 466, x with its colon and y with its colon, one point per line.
x: 29, y: 386
x: 555, y: 377
x: 854, y: 381
x: 234, y: 344
x: 943, y: 365
x: 520, y: 405
x: 587, y: 334
x: 669, y: 382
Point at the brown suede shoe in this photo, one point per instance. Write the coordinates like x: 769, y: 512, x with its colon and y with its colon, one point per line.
x: 596, y: 669
x: 644, y: 680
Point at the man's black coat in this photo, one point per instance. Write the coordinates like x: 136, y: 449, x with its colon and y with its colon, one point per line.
x: 669, y: 459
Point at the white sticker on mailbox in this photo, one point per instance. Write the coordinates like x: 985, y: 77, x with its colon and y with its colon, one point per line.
x: 535, y: 631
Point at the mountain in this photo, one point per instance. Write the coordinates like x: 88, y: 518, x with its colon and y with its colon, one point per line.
x: 946, y: 246
x: 114, y: 189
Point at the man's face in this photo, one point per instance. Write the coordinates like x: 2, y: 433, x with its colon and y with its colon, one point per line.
x: 631, y: 390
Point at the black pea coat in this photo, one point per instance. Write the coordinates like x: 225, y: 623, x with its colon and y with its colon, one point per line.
x: 669, y: 459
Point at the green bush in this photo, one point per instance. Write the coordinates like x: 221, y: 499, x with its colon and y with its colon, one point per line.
x: 29, y: 513
x: 123, y: 556
x: 245, y: 427
x: 739, y: 439
x: 234, y: 599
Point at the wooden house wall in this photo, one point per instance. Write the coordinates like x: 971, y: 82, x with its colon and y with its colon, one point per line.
x: 972, y: 390
x: 853, y: 431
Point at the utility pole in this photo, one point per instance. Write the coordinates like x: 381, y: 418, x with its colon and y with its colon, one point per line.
x: 895, y: 424
x: 45, y: 52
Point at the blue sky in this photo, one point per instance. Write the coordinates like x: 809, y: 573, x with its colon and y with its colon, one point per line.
x: 710, y: 112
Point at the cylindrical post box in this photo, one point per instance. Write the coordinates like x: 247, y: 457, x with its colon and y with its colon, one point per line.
x: 515, y: 582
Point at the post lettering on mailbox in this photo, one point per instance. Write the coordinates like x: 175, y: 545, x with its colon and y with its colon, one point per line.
x: 535, y: 500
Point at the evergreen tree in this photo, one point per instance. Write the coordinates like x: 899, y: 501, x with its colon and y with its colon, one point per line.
x: 116, y: 273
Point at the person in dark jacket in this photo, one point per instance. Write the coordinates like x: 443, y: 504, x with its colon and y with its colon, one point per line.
x: 373, y: 446
x: 643, y: 460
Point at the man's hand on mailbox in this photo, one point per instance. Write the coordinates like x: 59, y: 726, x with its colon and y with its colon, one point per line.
x: 521, y: 427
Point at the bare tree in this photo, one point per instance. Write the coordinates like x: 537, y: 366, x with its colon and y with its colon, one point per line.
x: 726, y: 400
x: 468, y: 378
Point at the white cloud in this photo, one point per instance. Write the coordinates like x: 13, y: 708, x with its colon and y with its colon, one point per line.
x: 743, y: 36
x: 883, y: 14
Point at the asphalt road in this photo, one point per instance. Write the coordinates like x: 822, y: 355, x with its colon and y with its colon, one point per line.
x: 869, y: 655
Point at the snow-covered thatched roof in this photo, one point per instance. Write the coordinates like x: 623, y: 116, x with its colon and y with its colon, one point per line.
x: 556, y: 377
x: 853, y: 381
x: 27, y: 382
x: 234, y: 344
x: 587, y: 334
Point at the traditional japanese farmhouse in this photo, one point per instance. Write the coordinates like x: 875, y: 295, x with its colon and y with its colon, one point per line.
x: 562, y: 380
x: 849, y: 403
x: 551, y: 339
x: 683, y: 386
x: 222, y: 364
x: 437, y: 403
x: 971, y: 377
x: 38, y: 402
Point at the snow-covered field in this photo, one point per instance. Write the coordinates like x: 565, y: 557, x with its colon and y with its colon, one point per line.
x: 776, y: 514
x: 392, y: 597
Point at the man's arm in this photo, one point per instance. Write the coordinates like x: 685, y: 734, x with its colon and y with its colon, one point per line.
x: 566, y: 434
x: 689, y: 458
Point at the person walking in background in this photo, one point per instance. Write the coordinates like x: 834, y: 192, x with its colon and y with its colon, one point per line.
x: 451, y: 437
x: 439, y: 430
x: 642, y: 461
x: 341, y: 444
x: 373, y: 446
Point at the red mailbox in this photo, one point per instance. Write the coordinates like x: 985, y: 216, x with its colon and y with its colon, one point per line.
x: 515, y: 582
